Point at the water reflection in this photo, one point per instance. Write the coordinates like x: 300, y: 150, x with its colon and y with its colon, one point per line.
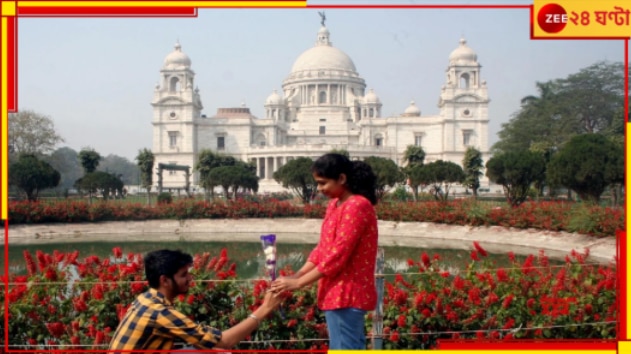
x: 247, y: 255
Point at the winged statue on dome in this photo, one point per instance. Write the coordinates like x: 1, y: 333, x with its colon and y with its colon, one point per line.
x: 322, y: 17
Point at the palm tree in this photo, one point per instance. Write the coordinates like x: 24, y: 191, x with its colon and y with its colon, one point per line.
x: 146, y: 160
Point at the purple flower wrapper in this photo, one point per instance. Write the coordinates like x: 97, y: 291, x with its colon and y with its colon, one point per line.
x: 268, y: 242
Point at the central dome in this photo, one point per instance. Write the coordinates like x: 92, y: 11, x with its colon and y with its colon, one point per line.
x: 323, y: 58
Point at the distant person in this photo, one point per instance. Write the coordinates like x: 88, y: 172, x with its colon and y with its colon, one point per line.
x: 152, y: 323
x: 343, y: 262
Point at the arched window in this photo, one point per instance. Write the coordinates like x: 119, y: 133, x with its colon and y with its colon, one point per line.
x: 379, y: 140
x: 371, y: 113
x: 322, y: 97
x: 174, y: 84
x: 464, y: 81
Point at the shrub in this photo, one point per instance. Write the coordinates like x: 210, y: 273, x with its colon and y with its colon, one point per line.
x: 555, y: 216
x: 165, y: 198
x: 529, y: 300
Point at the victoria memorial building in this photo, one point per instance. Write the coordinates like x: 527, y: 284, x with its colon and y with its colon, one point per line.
x: 323, y: 105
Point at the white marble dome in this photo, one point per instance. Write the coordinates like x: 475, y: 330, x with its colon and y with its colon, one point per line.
x: 274, y: 99
x: 412, y: 110
x: 371, y: 97
x: 463, y: 54
x: 177, y: 59
x: 323, y: 58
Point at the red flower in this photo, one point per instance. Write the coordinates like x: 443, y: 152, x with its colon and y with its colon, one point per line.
x: 50, y: 274
x: 502, y: 276
x: 479, y: 248
x: 458, y: 283
x: 474, y: 295
x: 394, y: 336
x: 507, y: 301
x: 79, y: 305
x: 191, y: 299
x: 491, y: 299
x: 425, y: 259
x: 137, y: 287
x: 292, y: 323
x: 530, y: 303
x: 401, y: 321
x: 118, y: 253
x: 510, y: 323
x: 474, y: 255
x: 588, y: 309
x: 56, y: 329
x: 30, y: 263
x: 98, y: 338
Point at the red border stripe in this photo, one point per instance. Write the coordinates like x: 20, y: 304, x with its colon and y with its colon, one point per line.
x: 103, y: 11
x: 12, y: 69
x: 622, y: 282
x: 462, y: 6
x: 528, y: 345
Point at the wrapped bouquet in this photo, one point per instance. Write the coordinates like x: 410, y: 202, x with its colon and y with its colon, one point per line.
x: 269, y: 250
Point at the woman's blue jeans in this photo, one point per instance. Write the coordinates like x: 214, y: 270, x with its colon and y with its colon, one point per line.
x: 346, y: 328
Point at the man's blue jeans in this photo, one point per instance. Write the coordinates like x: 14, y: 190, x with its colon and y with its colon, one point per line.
x: 346, y: 328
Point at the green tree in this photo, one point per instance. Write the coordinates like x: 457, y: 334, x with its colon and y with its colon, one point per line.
x: 243, y: 176
x: 296, y: 175
x: 419, y: 176
x: 207, y: 160
x: 31, y: 175
x: 100, y: 182
x: 66, y: 161
x: 414, y: 157
x: 442, y: 175
x: 118, y: 165
x: 472, y: 166
x: 515, y: 171
x: 587, y: 164
x: 31, y: 133
x: 235, y: 176
x: 584, y: 102
x: 145, y: 160
x: 89, y: 159
x: 387, y: 172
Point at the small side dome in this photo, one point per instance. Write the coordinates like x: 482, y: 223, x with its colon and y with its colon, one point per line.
x: 371, y: 97
x: 412, y: 110
x: 177, y: 59
x: 274, y: 99
x: 463, y: 54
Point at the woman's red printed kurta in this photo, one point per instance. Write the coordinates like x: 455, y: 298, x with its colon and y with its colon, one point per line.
x: 346, y: 255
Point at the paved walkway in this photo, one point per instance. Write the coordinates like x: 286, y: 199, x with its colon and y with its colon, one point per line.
x: 297, y: 230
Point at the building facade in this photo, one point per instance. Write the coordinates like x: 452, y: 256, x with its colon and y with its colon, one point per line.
x: 324, y: 105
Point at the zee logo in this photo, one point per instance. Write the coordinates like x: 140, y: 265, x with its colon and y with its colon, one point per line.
x: 552, y: 18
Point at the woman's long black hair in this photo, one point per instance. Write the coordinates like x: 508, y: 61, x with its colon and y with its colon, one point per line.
x: 359, y: 175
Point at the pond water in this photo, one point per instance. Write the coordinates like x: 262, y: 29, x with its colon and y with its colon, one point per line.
x: 247, y: 255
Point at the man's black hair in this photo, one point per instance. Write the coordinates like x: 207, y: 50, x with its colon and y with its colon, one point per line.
x: 164, y: 262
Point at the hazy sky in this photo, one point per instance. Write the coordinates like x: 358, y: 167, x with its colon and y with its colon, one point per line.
x: 95, y: 77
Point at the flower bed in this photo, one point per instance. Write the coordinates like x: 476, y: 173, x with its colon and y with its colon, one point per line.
x: 528, y: 300
x: 554, y: 216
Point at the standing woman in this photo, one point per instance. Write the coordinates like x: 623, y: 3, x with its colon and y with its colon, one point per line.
x: 344, y: 259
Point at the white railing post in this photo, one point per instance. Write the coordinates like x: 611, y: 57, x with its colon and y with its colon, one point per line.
x: 377, y: 318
